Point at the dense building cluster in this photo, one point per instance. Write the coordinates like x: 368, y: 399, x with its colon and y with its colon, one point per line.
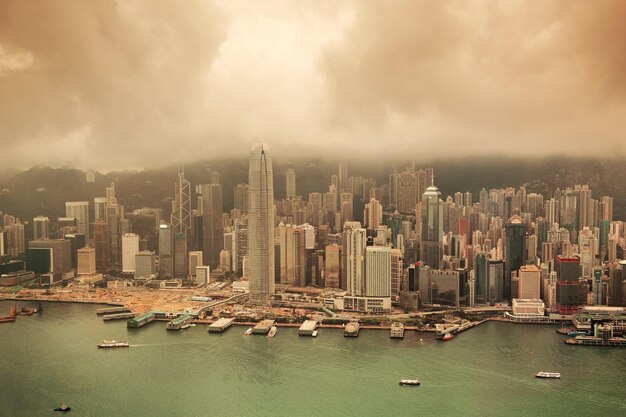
x: 374, y: 245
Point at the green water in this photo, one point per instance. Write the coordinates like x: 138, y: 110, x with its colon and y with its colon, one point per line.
x: 488, y: 371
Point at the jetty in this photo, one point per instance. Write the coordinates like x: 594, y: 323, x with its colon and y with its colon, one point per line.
x: 396, y: 330
x: 220, y: 325
x: 308, y: 327
x: 351, y: 329
x: 263, y: 327
x: 112, y: 310
x: 118, y: 316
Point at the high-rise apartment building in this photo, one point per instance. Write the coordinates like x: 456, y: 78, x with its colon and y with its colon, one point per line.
x: 261, y: 225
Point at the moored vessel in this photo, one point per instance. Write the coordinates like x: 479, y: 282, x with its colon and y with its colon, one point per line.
x: 447, y: 336
x: 272, y: 332
x: 248, y: 332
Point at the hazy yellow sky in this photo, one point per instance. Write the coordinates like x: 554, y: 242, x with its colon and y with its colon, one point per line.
x: 114, y: 84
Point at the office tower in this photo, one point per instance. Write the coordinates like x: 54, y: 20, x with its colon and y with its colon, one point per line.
x: 15, y: 239
x: 332, y: 266
x: 225, y: 260
x: 406, y: 185
x: 353, y: 258
x: 181, y: 206
x: 100, y: 208
x: 86, y: 263
x: 77, y: 241
x: 261, y: 225
x: 241, y: 236
x: 432, y: 227
x: 291, y: 183
x: 529, y: 282
x: 342, y: 179
x: 195, y: 260
x: 102, y: 245
x: 241, y: 197
x: 145, y: 265
x: 495, y: 280
x: 230, y: 244
x: 130, y: 248
x: 481, y: 290
x: 445, y: 288
x: 66, y: 226
x: 80, y: 211
x: 377, y: 272
x: 373, y: 216
x: 166, y: 251
x: 616, y: 284
x: 293, y: 255
x: 568, y: 274
x: 60, y: 249
x: 213, y: 230
x: 584, y: 204
x: 180, y: 255
x: 514, y: 249
x: 41, y: 225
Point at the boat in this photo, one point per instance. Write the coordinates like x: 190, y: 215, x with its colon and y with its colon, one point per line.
x: 9, y: 318
x: 64, y: 408
x: 409, y: 382
x: 543, y: 374
x: 28, y: 311
x: 248, y: 332
x: 576, y: 333
x: 314, y: 334
x: 272, y: 331
x: 448, y: 336
x: 421, y: 340
x: 185, y: 326
x: 112, y: 344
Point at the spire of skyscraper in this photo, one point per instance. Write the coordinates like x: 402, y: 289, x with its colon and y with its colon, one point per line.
x: 261, y: 225
x: 181, y: 207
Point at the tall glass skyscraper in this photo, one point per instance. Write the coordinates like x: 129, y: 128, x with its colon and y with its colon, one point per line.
x: 432, y: 227
x: 261, y: 225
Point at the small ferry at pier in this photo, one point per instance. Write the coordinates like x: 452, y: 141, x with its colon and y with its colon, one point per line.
x: 543, y: 374
x: 314, y: 334
x: 448, y: 336
x: 248, y: 332
x: 272, y: 332
x: 409, y: 382
x: 112, y: 344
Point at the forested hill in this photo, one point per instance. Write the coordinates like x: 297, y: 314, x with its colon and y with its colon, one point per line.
x: 44, y: 190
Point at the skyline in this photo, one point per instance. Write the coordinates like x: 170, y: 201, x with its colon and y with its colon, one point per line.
x: 103, y: 87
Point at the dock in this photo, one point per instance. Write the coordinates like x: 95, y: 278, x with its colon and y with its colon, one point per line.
x: 307, y: 328
x: 597, y: 341
x: 221, y: 325
x: 118, y: 316
x: 112, y: 310
x: 352, y: 329
x: 141, y: 320
x: 179, y: 322
x: 263, y: 327
x: 396, y: 330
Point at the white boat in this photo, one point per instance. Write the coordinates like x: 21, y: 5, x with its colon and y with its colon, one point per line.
x: 314, y: 334
x: 409, y: 382
x: 543, y: 374
x: 248, y: 332
x: 112, y: 344
x: 272, y: 331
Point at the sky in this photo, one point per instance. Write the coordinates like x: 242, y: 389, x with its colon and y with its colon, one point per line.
x: 132, y: 84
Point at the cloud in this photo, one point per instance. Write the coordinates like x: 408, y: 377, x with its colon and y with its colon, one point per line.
x: 142, y: 83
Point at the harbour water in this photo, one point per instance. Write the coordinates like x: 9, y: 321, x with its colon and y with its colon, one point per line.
x: 52, y: 358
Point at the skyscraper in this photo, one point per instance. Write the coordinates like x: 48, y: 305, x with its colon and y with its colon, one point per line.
x: 181, y: 206
x: 514, y: 249
x: 80, y: 211
x: 432, y: 227
x: 40, y: 227
x: 291, y: 183
x: 353, y: 258
x: 213, y: 230
x: 130, y: 248
x: 261, y: 225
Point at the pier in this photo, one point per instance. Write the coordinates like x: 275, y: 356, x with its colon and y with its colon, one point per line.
x: 112, y: 310
x: 596, y: 341
x: 221, y: 325
x: 118, y: 316
x: 396, y: 330
x: 352, y: 329
x: 141, y: 320
x: 263, y: 327
x: 179, y: 322
x: 307, y: 328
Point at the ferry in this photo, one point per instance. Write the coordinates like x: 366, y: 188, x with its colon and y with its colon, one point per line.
x: 112, y: 344
x: 186, y: 326
x: 64, y: 408
x: 272, y: 332
x: 314, y: 334
x: 409, y: 382
x: 447, y: 337
x: 543, y: 374
x: 248, y: 332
